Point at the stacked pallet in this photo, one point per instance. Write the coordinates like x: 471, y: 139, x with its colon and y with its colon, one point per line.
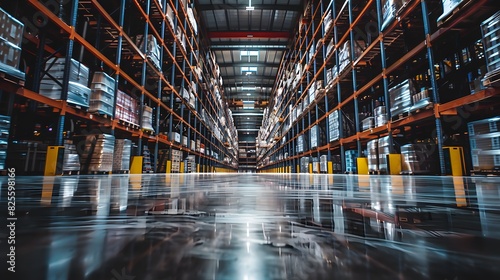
x: 350, y: 161
x: 51, y: 84
x: 71, y: 161
x: 147, y: 119
x: 146, y: 162
x: 380, y: 116
x: 150, y: 48
x: 401, y: 98
x: 372, y: 154
x: 11, y: 36
x: 102, y: 97
x: 4, y: 139
x: 122, y: 154
x: 484, y: 138
x: 97, y: 155
x: 419, y: 158
x: 490, y: 30
x: 190, y: 164
x: 384, y: 149
x: 176, y: 161
x: 127, y: 108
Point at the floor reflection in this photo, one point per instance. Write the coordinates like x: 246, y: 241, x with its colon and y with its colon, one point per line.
x: 206, y: 226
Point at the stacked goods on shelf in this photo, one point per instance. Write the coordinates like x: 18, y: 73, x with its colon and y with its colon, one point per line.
x: 176, y: 161
x: 401, y: 98
x: 448, y: 8
x: 175, y: 158
x: 350, y: 161
x: 301, y: 143
x: 390, y: 8
x: 193, y: 145
x: 146, y: 160
x: 420, y: 99
x: 372, y: 154
x: 331, y: 47
x: 314, y: 137
x: 367, y: 123
x: 192, y: 95
x: 103, y: 94
x: 337, y: 163
x: 380, y: 116
x: 127, y: 108
x: 170, y: 16
x: 175, y: 137
x: 147, y: 119
x: 71, y: 161
x: 97, y: 154
x: 192, y: 20
x: 419, y: 158
x: 51, y: 83
x: 484, y: 138
x: 383, y: 151
x: 333, y: 126
x: 315, y: 165
x: 181, y: 37
x: 345, y: 54
x: 323, y: 164
x: 304, y: 165
x: 11, y: 36
x: 4, y: 139
x: 327, y: 22
x: 491, y: 34
x: 190, y: 164
x: 151, y: 47
x: 122, y: 155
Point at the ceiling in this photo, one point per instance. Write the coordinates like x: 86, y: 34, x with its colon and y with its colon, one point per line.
x: 249, y: 44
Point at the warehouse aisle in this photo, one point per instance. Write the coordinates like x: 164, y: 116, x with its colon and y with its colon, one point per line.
x: 251, y: 226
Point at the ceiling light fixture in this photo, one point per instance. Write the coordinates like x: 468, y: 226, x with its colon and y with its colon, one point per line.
x: 250, y: 8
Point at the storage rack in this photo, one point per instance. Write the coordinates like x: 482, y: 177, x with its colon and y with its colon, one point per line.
x: 411, y: 46
x: 247, y: 156
x: 102, y: 36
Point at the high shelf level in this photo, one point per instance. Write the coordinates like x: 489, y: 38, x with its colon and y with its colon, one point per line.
x: 159, y: 83
x: 383, y: 80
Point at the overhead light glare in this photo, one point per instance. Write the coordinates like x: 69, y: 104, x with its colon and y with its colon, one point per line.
x: 250, y: 8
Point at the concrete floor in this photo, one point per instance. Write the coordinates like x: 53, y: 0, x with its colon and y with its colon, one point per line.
x: 249, y: 226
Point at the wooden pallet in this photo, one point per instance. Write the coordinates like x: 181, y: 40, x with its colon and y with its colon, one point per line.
x: 71, y: 172
x: 484, y: 172
x: 128, y: 124
x: 12, y: 79
x: 99, y: 172
x: 102, y: 115
x: 121, y: 172
x: 400, y: 116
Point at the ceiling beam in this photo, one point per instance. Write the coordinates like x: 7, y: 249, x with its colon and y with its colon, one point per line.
x: 268, y: 46
x: 248, y: 114
x: 249, y: 34
x: 229, y: 87
x: 210, y: 7
x: 250, y: 64
x: 248, y: 78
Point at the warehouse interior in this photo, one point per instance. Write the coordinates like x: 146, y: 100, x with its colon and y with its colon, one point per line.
x: 240, y: 139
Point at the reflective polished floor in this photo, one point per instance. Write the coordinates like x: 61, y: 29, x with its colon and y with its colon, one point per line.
x: 249, y: 226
